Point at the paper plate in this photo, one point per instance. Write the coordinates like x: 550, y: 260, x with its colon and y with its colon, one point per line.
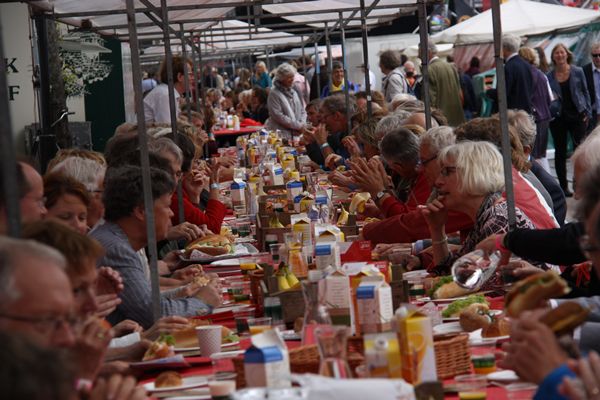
x: 475, y: 339
x: 506, y: 375
x: 451, y: 327
x: 188, y: 383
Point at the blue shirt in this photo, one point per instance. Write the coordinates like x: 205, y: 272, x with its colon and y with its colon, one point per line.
x: 548, y: 389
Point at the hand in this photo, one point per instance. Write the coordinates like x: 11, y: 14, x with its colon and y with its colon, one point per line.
x: 214, y: 173
x: 118, y: 387
x: 186, y: 231
x: 488, y: 246
x: 226, y: 161
x: 352, y: 146
x: 172, y: 259
x: 91, y: 343
x: 408, y: 261
x: 125, y: 327
x: 339, y: 178
x: 108, y: 281
x: 435, y: 214
x: 187, y: 273
x: 107, y: 303
x: 371, y: 210
x: 210, y: 295
x: 385, y: 249
x: 165, y: 325
x: 132, y: 353
x: 320, y: 134
x: 533, y: 351
x: 366, y: 177
x: 519, y: 269
x: 333, y: 160
x: 588, y: 379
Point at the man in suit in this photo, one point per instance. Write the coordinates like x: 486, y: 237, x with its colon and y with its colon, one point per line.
x: 519, y: 82
x: 592, y: 76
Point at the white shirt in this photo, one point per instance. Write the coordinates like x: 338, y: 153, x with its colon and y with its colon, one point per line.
x: 156, y: 105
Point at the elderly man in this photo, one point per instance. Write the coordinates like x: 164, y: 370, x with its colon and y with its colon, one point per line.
x: 326, y: 140
x: 444, y: 87
x: 519, y: 82
x: 337, y: 83
x: 31, y: 194
x: 37, y: 300
x: 394, y: 81
x: 592, y: 76
x: 124, y: 234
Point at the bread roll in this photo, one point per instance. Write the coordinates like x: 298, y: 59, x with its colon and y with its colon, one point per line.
x: 500, y: 326
x: 168, y: 379
x: 475, y: 317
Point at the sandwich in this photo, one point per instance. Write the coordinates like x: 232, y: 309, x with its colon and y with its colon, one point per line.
x: 214, y: 245
x: 565, y: 318
x: 529, y: 293
x: 168, y: 379
x: 456, y: 307
x: 446, y: 288
x: 160, y: 348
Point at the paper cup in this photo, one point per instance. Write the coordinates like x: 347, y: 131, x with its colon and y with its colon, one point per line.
x: 209, y: 339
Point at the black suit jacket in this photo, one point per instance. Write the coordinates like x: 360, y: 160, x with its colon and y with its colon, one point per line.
x: 559, y: 203
x: 589, y: 78
x: 519, y: 84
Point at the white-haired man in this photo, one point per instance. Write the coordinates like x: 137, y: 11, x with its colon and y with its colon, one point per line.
x: 519, y: 82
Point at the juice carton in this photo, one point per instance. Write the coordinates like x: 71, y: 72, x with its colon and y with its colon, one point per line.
x: 266, y: 362
x: 382, y: 355
x: 326, y: 254
x: 238, y: 195
x: 374, y: 301
x: 301, y: 223
x: 294, y: 189
x: 337, y: 296
x: 327, y: 233
x: 416, y: 345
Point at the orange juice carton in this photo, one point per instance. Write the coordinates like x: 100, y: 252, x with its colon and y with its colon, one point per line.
x: 337, y: 296
x: 301, y: 223
x: 415, y: 334
x: 328, y: 233
x: 382, y: 355
x: 374, y: 301
x: 266, y: 362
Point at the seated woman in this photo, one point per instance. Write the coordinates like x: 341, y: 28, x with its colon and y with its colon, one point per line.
x: 67, y: 201
x: 258, y: 105
x: 471, y: 181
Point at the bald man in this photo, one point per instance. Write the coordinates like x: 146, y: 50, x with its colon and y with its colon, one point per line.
x: 31, y: 196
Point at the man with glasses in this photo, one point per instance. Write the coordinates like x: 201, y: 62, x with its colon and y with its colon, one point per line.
x: 36, y: 296
x: 592, y: 76
x: 31, y: 194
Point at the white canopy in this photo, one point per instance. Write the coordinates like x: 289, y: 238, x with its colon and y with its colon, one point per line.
x: 519, y: 17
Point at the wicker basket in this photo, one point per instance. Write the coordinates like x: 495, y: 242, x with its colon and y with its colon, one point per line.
x: 305, y: 360
x: 452, y: 355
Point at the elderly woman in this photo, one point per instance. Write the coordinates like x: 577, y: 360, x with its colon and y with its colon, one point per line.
x: 67, y: 201
x: 569, y: 85
x: 471, y: 181
x: 90, y: 173
x: 286, y: 112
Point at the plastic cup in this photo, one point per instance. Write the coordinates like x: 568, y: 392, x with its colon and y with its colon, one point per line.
x: 222, y: 365
x: 520, y: 391
x: 239, y: 210
x: 221, y: 389
x: 471, y: 387
x: 209, y: 339
x: 259, y: 325
x: 244, y: 228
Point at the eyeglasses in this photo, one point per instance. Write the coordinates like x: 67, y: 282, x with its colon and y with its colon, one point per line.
x: 587, y: 247
x: 41, y: 202
x: 423, y: 163
x: 47, y: 325
x: 446, y: 171
x: 595, y: 55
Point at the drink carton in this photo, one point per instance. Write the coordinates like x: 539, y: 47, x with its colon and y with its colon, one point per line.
x: 374, y: 301
x: 416, y: 345
x: 266, y: 362
x: 326, y: 254
x: 337, y: 296
x: 238, y: 195
x: 294, y: 189
x: 382, y: 355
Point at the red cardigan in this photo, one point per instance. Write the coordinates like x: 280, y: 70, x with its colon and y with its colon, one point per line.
x: 419, y: 195
x: 212, y: 217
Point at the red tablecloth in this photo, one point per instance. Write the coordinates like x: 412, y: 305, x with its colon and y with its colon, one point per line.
x: 236, y: 132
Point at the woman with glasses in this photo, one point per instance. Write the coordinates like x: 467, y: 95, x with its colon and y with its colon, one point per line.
x: 471, y: 181
x: 568, y: 84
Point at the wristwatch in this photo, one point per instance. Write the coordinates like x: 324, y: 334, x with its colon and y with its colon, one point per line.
x: 380, y: 195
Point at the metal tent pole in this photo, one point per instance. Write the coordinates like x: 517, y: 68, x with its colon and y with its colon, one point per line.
x: 346, y: 81
x: 329, y: 60
x: 365, y: 46
x: 424, y: 50
x: 145, y: 162
x: 169, y: 63
x: 186, y: 82
x: 501, y: 88
x: 318, y: 69
x: 306, y: 82
x: 8, y: 162
x: 197, y: 81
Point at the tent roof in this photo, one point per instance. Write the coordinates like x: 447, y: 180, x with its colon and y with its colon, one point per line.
x: 519, y: 17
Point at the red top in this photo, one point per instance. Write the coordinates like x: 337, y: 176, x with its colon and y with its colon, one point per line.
x: 418, y: 195
x: 241, y: 131
x: 528, y: 201
x: 212, y: 216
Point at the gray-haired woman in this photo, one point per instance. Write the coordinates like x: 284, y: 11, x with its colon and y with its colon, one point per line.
x: 286, y: 112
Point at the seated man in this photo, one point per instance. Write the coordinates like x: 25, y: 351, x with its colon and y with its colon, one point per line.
x: 124, y: 234
x: 326, y: 139
x: 36, y: 296
x: 31, y: 195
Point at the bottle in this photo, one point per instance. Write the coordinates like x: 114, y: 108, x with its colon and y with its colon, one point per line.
x: 315, y: 311
x: 236, y: 123
x: 332, y: 341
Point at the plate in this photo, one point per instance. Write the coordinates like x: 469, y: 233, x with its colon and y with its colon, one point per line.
x: 506, y: 375
x: 188, y: 383
x: 177, y: 361
x: 197, y: 348
x: 451, y: 327
x: 475, y: 339
x: 452, y: 319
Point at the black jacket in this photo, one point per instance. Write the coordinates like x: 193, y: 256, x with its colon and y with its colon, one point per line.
x: 588, y: 70
x: 559, y: 203
x: 519, y: 84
